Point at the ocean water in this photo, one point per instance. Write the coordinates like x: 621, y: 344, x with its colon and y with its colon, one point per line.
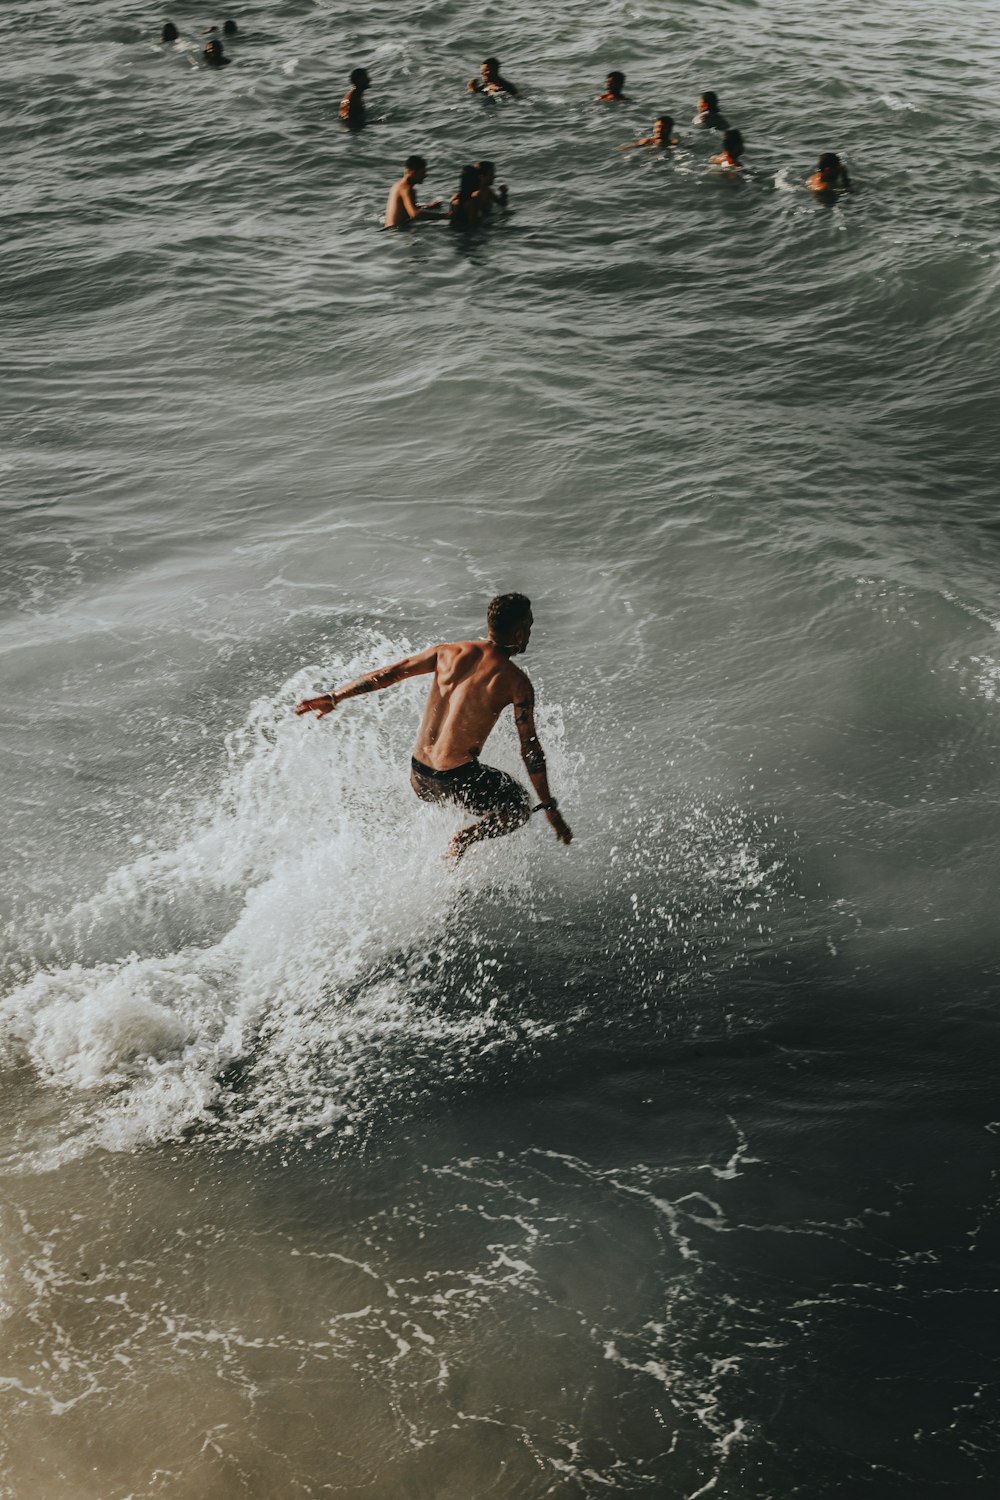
x: 665, y: 1164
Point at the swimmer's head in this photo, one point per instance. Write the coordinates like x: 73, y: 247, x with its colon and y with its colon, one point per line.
x: 487, y: 171
x: 359, y: 78
x: 662, y: 126
x: 417, y: 167
x: 509, y: 621
x: 229, y: 28
x: 490, y: 70
x: 708, y: 103
x: 615, y: 82
x: 829, y: 164
x: 732, y: 144
x: 169, y: 32
x: 214, y: 54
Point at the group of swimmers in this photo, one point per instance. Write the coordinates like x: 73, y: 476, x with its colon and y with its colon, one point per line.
x: 475, y: 198
x: 829, y: 178
x: 214, y: 55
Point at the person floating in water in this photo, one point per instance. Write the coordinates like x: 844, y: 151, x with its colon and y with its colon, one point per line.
x: 662, y: 127
x: 474, y: 681
x: 830, y: 177
x: 732, y: 150
x: 613, y: 85
x: 352, y: 106
x: 490, y: 81
x: 709, y: 116
x: 229, y: 28
x: 169, y: 32
x: 214, y: 55
x: 401, y: 206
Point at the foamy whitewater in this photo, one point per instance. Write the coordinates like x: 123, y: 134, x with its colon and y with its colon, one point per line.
x: 664, y: 1164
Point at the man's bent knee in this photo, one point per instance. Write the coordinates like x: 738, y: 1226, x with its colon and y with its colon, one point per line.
x: 514, y: 814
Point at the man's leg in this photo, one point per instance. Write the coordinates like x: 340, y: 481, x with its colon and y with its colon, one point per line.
x: 504, y: 802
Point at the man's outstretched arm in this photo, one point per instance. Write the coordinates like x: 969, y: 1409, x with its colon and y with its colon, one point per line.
x: 371, y: 682
x: 534, y: 763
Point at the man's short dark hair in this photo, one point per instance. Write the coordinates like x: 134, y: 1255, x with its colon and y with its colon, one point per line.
x: 493, y: 63
x: 505, y: 613
x: 711, y: 99
x: 359, y: 76
x: 415, y: 164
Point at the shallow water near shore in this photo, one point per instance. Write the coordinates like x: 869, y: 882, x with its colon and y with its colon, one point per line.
x: 664, y: 1164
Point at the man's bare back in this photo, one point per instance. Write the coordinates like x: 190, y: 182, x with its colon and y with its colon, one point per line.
x: 474, y: 681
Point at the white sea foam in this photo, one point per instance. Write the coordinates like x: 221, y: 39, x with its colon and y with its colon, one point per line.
x: 308, y: 878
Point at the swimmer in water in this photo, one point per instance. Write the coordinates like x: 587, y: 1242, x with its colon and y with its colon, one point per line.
x: 214, y: 55
x: 473, y: 683
x: 732, y: 150
x: 169, y: 32
x: 830, y: 177
x: 352, y: 106
x: 613, y: 85
x: 661, y: 136
x: 490, y: 81
x: 709, y: 116
x: 229, y: 28
x: 401, y: 207
x: 488, y: 194
x: 466, y: 204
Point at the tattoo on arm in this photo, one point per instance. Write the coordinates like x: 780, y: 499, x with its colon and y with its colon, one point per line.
x: 534, y: 759
x: 522, y: 711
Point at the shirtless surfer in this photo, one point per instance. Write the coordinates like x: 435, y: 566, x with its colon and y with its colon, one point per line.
x: 474, y: 681
x: 402, y: 207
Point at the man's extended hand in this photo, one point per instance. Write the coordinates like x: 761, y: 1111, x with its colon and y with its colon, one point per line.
x: 558, y: 823
x: 319, y: 706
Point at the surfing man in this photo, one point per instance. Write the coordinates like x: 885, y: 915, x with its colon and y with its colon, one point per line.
x: 474, y: 681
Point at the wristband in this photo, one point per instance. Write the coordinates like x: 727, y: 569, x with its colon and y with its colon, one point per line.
x: 549, y: 806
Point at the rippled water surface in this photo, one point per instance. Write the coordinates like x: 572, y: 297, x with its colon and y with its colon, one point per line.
x: 665, y: 1164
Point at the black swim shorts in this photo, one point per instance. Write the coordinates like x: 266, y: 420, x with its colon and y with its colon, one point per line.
x: 498, y: 798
